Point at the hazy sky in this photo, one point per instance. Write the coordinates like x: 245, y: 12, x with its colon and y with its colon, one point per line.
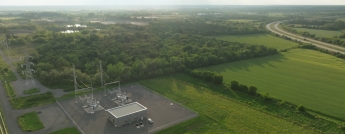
x: 170, y: 2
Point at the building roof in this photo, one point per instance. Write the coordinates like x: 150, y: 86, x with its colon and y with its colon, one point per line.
x: 126, y: 109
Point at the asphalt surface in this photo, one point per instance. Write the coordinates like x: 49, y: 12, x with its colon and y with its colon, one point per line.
x: 51, y: 116
x: 319, y: 44
x: 158, y: 107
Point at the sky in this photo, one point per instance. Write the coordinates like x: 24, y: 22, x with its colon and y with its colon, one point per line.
x: 169, y: 2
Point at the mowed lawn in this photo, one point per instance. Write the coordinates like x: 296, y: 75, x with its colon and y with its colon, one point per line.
x: 320, y: 33
x: 219, y: 114
x: 300, y: 76
x: 260, y: 39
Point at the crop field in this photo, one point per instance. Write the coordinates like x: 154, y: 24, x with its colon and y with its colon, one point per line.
x: 320, y: 33
x: 306, y: 77
x: 241, y: 20
x: 260, y: 39
x: 8, y: 18
x: 171, y: 17
x: 218, y: 113
x: 342, y: 19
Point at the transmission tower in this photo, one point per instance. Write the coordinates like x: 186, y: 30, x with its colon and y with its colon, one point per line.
x: 29, y: 79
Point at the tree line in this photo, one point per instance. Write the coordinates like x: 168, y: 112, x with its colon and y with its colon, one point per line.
x: 325, y: 24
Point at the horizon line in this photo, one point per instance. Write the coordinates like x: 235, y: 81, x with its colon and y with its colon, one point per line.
x: 178, y: 5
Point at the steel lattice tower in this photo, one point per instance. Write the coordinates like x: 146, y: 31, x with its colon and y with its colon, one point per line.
x: 29, y: 79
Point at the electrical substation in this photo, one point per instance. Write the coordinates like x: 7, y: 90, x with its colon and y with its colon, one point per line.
x: 129, y: 109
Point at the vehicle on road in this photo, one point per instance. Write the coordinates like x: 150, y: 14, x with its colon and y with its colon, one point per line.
x: 150, y: 120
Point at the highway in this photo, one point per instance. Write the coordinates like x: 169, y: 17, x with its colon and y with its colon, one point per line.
x: 323, y: 45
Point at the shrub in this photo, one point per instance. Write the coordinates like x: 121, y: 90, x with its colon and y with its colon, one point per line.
x: 234, y: 85
x: 252, y: 90
x: 300, y: 108
x: 266, y: 97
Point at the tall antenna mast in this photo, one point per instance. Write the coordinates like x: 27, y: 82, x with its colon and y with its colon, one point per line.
x: 75, y: 84
x: 91, y: 91
x: 100, y: 70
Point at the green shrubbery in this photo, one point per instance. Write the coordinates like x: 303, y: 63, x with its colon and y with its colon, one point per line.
x: 207, y: 76
x: 252, y: 90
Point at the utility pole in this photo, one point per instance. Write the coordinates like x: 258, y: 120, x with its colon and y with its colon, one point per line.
x: 28, y: 71
x: 75, y: 84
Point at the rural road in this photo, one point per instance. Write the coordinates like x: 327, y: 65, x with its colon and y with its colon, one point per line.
x: 323, y: 45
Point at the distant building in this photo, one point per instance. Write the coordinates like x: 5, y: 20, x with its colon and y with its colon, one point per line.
x: 201, y: 14
x: 125, y: 114
x: 70, y: 31
x: 76, y: 25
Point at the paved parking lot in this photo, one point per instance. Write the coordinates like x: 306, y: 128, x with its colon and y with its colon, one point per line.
x: 159, y: 110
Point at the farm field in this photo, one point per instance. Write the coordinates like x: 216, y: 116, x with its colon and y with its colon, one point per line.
x: 241, y: 20
x: 342, y: 19
x: 8, y: 18
x: 260, y: 39
x: 300, y: 76
x: 320, y: 33
x: 218, y: 113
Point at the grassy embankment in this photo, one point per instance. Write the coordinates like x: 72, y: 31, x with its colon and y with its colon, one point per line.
x: 6, y: 77
x: 299, y: 76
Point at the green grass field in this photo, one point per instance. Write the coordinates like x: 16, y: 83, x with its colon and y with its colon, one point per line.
x: 320, y: 33
x: 30, y: 122
x: 218, y: 113
x: 32, y: 100
x: 31, y: 91
x: 306, y: 77
x: 260, y: 39
x: 71, y: 130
